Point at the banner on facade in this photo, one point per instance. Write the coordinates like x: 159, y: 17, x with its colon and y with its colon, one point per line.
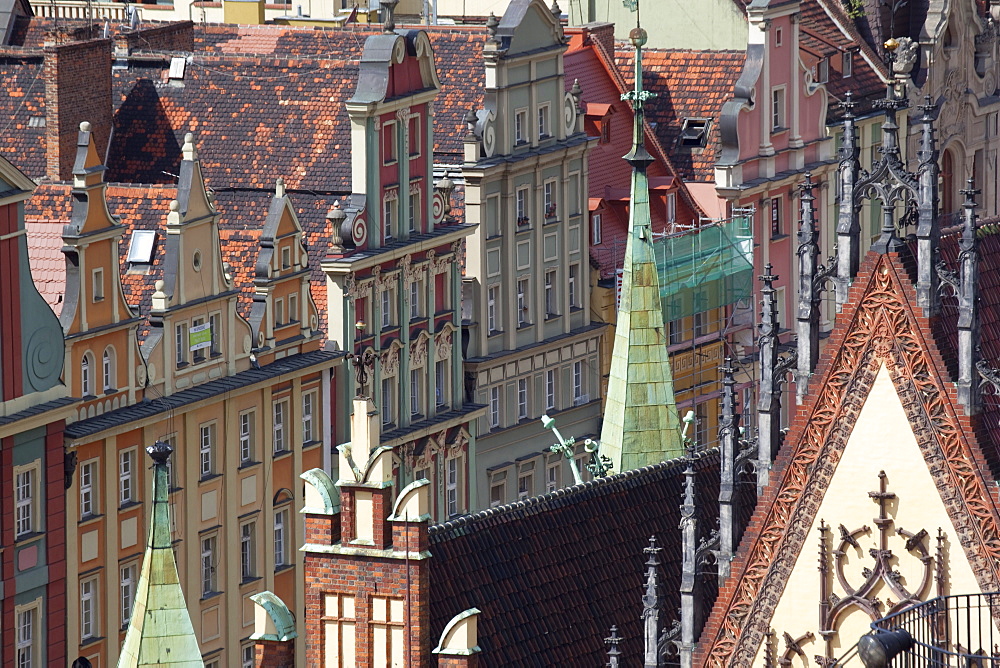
x: 200, y: 337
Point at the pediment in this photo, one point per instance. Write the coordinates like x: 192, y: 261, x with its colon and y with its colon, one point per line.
x: 879, y: 338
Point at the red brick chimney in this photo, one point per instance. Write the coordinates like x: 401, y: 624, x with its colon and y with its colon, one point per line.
x: 77, y: 88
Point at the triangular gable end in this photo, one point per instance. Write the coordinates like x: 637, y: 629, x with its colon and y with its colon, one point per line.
x: 880, y: 329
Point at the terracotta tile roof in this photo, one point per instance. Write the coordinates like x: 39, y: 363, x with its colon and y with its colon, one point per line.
x: 22, y: 97
x: 47, y: 262
x: 540, y: 608
x: 688, y: 84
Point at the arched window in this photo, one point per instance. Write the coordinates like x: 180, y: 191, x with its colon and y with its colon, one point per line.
x: 108, y: 369
x: 86, y: 375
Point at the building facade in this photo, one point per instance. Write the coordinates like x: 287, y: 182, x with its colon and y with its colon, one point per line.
x: 532, y: 348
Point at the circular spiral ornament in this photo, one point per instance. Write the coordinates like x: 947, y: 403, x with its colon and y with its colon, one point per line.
x: 489, y: 137
x: 359, y: 231
x: 43, y: 359
x: 437, y: 207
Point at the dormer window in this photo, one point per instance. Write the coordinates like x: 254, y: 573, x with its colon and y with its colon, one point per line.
x: 543, y: 121
x: 694, y: 132
x: 286, y: 258
x: 823, y: 71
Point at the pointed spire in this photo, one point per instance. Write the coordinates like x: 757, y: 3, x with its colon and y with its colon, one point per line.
x: 928, y: 229
x: 689, y: 549
x: 848, y: 223
x: 729, y: 425
x: 769, y: 398
x: 613, y: 652
x: 160, y: 632
x: 968, y: 298
x: 807, y: 319
x: 651, y: 606
x: 889, y: 241
x: 641, y: 426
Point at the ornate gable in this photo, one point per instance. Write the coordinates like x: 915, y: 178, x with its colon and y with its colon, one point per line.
x: 879, y: 329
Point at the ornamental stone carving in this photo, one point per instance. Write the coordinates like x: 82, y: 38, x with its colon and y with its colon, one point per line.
x: 418, y: 352
x: 442, y: 346
x: 390, y: 362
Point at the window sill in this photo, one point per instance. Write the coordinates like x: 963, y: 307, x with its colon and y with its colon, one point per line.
x: 183, y: 365
x: 311, y: 444
x: 779, y: 237
x: 209, y: 478
x: 108, y: 391
x: 278, y: 454
x: 778, y: 131
x: 250, y: 463
x: 250, y: 580
x: 282, y: 568
x: 89, y: 519
x: 526, y: 227
x: 549, y: 317
x: 494, y: 332
x: 27, y: 538
x: 210, y: 595
x: 525, y: 325
x: 129, y: 505
x: 90, y: 640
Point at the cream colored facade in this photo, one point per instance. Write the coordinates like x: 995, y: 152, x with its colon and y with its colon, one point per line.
x: 881, y: 440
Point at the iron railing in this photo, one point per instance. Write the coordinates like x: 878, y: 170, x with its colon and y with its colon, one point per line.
x: 959, y: 631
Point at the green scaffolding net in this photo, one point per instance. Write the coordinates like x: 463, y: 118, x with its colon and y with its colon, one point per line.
x: 705, y: 268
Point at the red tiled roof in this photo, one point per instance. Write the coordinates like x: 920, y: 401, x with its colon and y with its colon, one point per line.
x: 47, y: 262
x: 22, y: 97
x: 687, y: 84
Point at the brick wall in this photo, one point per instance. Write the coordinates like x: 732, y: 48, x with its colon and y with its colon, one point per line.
x: 274, y: 654
x: 470, y: 661
x: 77, y: 88
x: 170, y: 37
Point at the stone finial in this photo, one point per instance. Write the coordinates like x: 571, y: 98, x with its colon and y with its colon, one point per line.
x: 388, y: 15
x: 614, y: 653
x: 279, y: 187
x: 556, y: 9
x: 85, y: 126
x: 491, y: 26
x: 336, y: 216
x: 188, y: 151
x: 577, y: 92
x: 470, y: 122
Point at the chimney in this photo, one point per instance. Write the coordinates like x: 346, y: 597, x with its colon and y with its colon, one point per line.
x: 77, y: 88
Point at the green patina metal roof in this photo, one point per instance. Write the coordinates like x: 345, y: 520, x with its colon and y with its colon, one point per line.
x: 160, y: 633
x: 641, y: 424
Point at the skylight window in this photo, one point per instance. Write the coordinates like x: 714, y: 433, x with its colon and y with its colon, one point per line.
x: 140, y: 248
x: 694, y: 132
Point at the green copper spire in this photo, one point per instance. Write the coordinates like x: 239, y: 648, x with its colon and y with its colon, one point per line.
x: 160, y: 632
x: 641, y: 425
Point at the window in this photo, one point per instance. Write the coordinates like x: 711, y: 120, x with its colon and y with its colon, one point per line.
x: 550, y: 389
x: 207, y: 449
x: 88, y: 609
x: 573, y: 271
x: 389, y: 143
x: 338, y: 629
x: 451, y: 486
x: 522, y: 302
x: 552, y: 476
x: 293, y: 308
x: 414, y: 391
x: 279, y: 441
x: 847, y: 64
x: 550, y: 293
x: 413, y: 211
x: 492, y: 297
x: 246, y: 436
x: 521, y: 206
x: 26, y: 620
x: 388, y: 209
x: 694, y: 132
x: 247, y: 656
x: 98, y: 285
x: 171, y: 478
x: 127, y: 589
x: 498, y: 492
x: 197, y: 326
x: 775, y: 217
x: 440, y: 390
x: 577, y: 381
x: 281, y: 536
x: 525, y: 482
x: 777, y: 36
x: 415, y: 299
x: 494, y: 407
x: 595, y: 229
x: 548, y: 194
x: 208, y: 570
x: 180, y: 336
x: 215, y: 327
x: 522, y: 398
x: 605, y: 136
x: 87, y: 375
x: 88, y: 481
x: 286, y: 258
x: 387, y: 401
x: 671, y: 208
x: 388, y: 630
x: 699, y: 324
x: 543, y: 121
x: 248, y: 550
x: 386, y: 308
x: 279, y: 313
x: 520, y: 126
x: 823, y: 71
x: 24, y: 503
x: 108, y: 369
x: 126, y: 469
x: 676, y: 328
x: 414, y: 124
x: 308, y: 425
x: 777, y: 109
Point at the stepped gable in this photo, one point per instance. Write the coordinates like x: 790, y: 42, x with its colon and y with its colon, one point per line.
x: 242, y: 216
x: 551, y: 574
x: 687, y: 84
x: 879, y: 325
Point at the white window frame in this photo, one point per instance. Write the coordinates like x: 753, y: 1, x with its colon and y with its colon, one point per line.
x: 247, y: 656
x: 128, y: 579
x: 108, y: 370
x: 89, y: 613
x: 25, y: 512
x: 215, y: 327
x: 26, y: 620
x: 522, y: 207
x: 522, y: 398
x: 387, y: 416
x: 88, y: 488
x: 494, y: 407
x: 388, y: 209
x: 544, y: 121
x: 440, y: 377
x: 549, y: 199
x: 126, y: 476
x: 279, y: 436
x: 577, y: 380
x: 386, y: 310
x: 574, y: 269
x: 286, y: 258
x: 279, y: 313
x: 246, y: 421
x: 520, y: 126
x: 413, y: 210
x: 209, y: 565
x: 525, y: 483
x: 391, y: 156
x: 309, y: 416
x: 847, y: 64
x: 779, y: 119
x: 413, y: 128
x: 293, y: 307
x: 596, y: 229
x: 87, y: 374
x: 671, y: 208
x: 415, y: 299
x: 282, y: 527
x: 248, y: 550
x: 415, y: 403
x: 98, y: 285
x: 181, y: 342
x: 552, y: 481
x: 498, y: 483
x: 452, y: 475
x: 550, y: 293
x: 492, y: 312
x: 522, y: 302
x: 206, y: 449
x: 550, y: 389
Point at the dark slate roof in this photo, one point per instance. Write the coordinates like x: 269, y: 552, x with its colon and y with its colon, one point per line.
x: 553, y: 573
x: 687, y: 84
x: 22, y: 97
x: 150, y: 407
x: 36, y: 410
